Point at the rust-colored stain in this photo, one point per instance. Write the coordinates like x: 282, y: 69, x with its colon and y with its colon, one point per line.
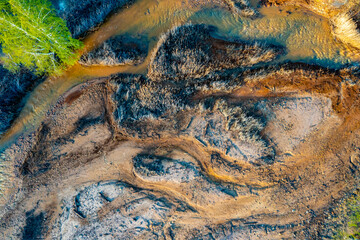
x: 73, y: 96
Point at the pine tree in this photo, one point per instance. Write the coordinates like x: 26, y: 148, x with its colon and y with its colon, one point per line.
x: 33, y: 36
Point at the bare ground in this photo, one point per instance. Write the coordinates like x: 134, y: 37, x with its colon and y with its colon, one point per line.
x: 261, y: 153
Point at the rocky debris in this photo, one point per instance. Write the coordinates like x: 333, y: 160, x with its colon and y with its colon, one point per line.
x: 190, y: 51
x: 157, y: 168
x: 83, y: 16
x: 89, y: 201
x: 13, y: 89
x: 242, y: 7
x: 113, y: 210
x: 278, y: 2
x: 118, y: 50
x: 133, y: 213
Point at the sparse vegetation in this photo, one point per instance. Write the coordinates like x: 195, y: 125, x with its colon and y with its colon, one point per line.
x: 34, y: 37
x: 245, y: 129
x: 118, y: 50
x: 351, y: 212
x: 189, y: 51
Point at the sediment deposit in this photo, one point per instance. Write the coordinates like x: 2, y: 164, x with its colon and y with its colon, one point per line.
x: 217, y: 140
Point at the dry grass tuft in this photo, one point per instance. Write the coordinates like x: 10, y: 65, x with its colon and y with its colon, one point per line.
x: 345, y: 29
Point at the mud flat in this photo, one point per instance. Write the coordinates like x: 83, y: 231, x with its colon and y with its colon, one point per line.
x: 215, y: 141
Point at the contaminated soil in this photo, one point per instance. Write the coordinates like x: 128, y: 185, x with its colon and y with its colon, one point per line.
x: 216, y: 139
